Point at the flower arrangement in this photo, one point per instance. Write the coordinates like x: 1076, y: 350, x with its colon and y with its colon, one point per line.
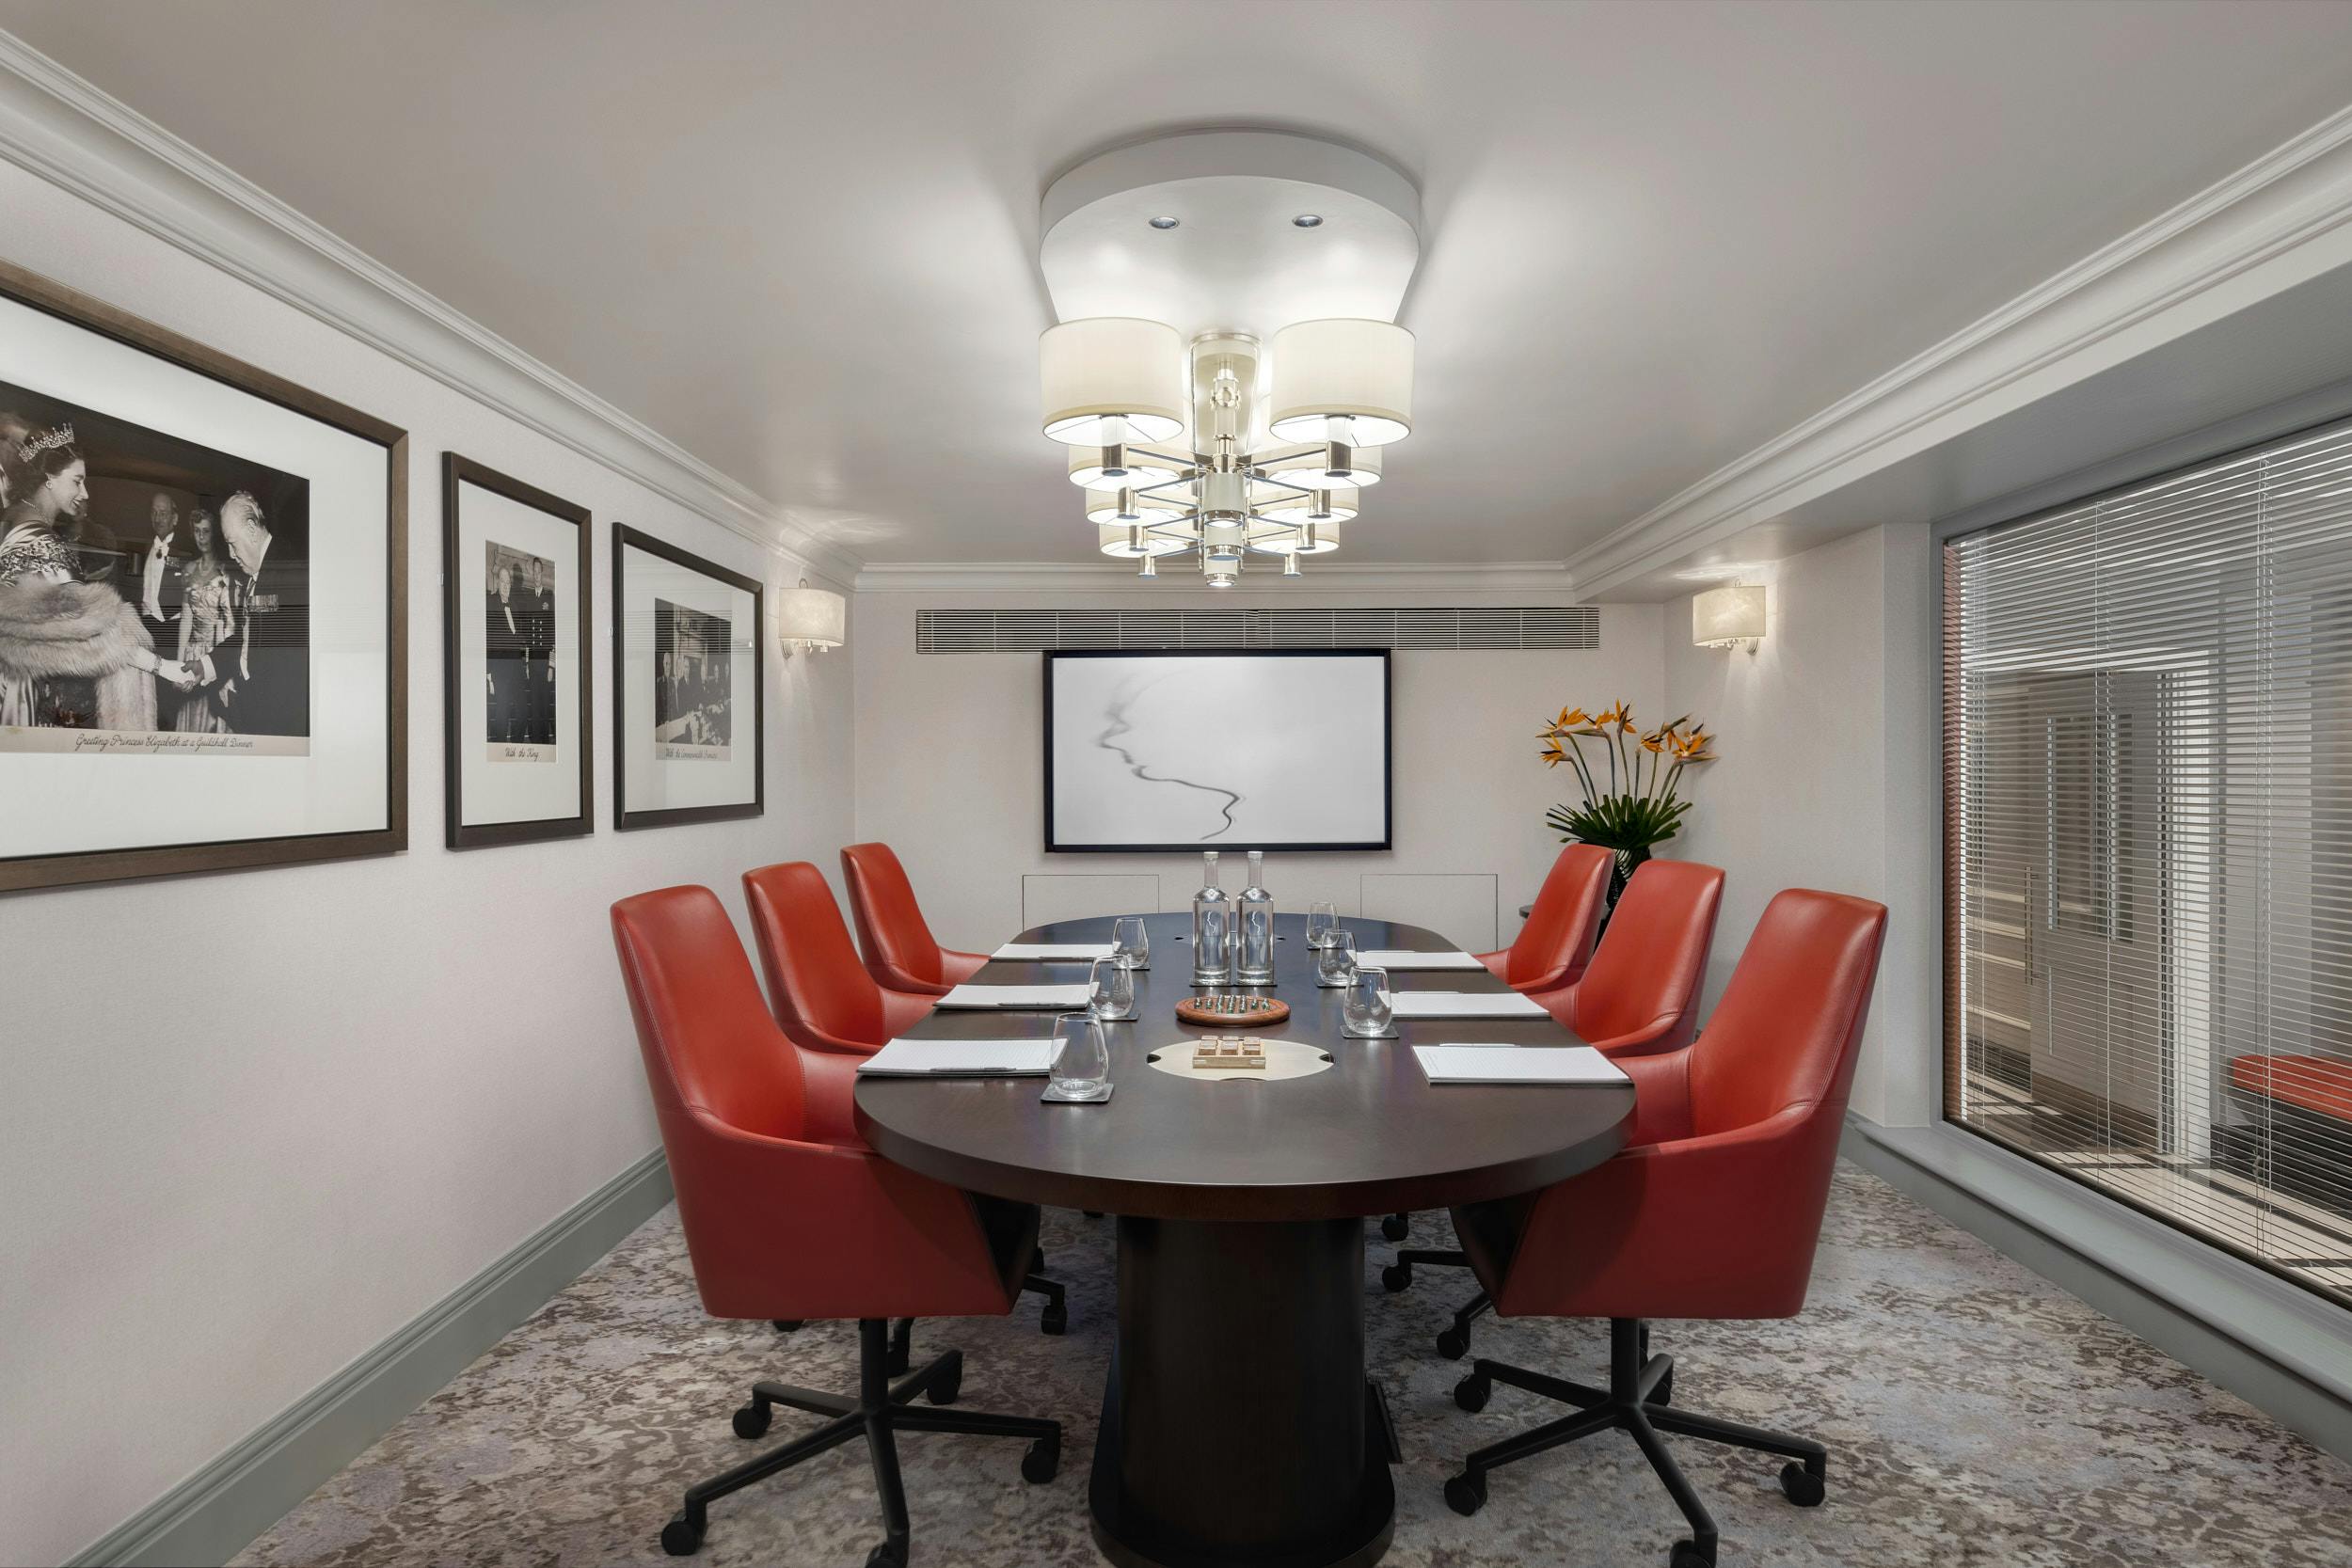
x: 1638, y: 806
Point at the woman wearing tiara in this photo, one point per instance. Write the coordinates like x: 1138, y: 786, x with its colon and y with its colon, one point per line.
x: 59, y: 637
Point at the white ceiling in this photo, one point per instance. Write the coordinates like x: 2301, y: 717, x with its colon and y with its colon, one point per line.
x: 800, y: 240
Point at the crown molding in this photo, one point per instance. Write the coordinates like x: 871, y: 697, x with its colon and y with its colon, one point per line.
x: 1097, y: 577
x: 2279, y: 221
x: 57, y: 126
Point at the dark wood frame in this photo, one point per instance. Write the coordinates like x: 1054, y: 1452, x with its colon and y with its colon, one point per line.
x: 69, y: 868
x: 456, y: 471
x: 1387, y: 746
x: 624, y: 537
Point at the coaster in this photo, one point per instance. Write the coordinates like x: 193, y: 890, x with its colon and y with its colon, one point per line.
x: 1058, y: 1096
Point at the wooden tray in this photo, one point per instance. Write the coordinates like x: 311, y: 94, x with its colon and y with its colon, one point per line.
x: 1200, y: 1010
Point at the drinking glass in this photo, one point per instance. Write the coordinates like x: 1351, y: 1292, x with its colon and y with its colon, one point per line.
x: 1131, y: 943
x: 1322, y: 918
x: 1335, y: 965
x: 1110, y: 990
x: 1083, y: 1064
x: 1364, y: 1005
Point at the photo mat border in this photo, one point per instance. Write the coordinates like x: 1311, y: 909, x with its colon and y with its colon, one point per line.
x: 624, y: 820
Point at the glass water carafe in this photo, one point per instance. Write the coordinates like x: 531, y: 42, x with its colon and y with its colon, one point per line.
x: 1254, y: 961
x: 1211, y: 928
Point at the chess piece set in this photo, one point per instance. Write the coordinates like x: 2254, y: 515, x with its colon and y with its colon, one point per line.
x: 1226, y: 1055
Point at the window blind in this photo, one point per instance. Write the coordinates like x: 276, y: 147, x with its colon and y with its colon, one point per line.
x: 2148, y: 847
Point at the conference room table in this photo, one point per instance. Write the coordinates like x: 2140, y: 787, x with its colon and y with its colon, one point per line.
x: 1239, y: 1427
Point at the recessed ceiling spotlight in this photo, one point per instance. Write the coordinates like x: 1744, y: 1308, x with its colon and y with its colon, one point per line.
x: 1163, y: 222
x: 1308, y: 220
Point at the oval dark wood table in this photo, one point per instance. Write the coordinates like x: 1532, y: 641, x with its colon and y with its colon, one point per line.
x: 1239, y: 1428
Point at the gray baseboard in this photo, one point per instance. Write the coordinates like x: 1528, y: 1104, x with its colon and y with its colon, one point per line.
x: 216, y: 1512
x: 2281, y: 1349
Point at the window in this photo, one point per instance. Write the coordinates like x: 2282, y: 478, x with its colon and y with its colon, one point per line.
x: 2148, y: 847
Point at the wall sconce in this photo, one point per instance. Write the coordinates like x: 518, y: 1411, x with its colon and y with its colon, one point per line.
x: 811, y: 619
x: 1729, y: 617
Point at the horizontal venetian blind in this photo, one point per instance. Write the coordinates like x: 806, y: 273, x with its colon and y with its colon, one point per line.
x: 2147, y: 820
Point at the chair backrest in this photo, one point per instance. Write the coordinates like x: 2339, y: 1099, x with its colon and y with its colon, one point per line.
x: 891, y: 930
x: 815, y: 980
x: 1788, y: 1029
x: 1556, y: 942
x: 1652, y: 959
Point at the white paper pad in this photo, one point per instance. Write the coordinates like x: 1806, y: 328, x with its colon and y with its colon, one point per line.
x: 1463, y: 1004
x: 1511, y: 1064
x: 1052, y: 998
x: 1075, y: 951
x: 1397, y: 958
x: 961, y: 1059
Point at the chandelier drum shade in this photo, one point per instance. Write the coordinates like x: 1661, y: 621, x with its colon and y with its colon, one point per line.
x: 1228, y: 373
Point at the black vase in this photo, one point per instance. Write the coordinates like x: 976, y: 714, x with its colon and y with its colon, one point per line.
x: 1629, y: 860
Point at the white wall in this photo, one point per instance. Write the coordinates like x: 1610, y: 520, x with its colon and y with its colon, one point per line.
x: 1827, y: 777
x: 250, y: 1125
x: 949, y: 766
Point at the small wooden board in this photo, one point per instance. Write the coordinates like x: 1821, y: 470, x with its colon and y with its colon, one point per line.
x: 1234, y: 1010
x: 1227, y: 1055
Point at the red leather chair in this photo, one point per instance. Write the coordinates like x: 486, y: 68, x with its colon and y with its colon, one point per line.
x: 823, y: 998
x: 824, y: 1001
x: 1716, y: 1215
x: 1556, y: 941
x: 787, y: 1214
x: 900, y: 952
x: 1639, y: 997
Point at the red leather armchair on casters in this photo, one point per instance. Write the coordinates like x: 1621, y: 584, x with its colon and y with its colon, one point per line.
x: 1639, y: 997
x: 1556, y: 941
x: 787, y: 1215
x: 1717, y: 1217
x: 824, y: 1001
x: 900, y: 952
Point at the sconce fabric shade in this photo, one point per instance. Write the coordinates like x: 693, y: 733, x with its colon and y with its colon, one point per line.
x: 1108, y: 379
x: 1721, y: 617
x: 812, y: 617
x: 1343, y: 380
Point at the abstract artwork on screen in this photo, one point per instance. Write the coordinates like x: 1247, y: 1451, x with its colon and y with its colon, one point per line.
x: 1197, y: 751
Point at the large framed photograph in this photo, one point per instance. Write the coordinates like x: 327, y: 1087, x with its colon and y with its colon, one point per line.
x: 1278, y: 749
x: 686, y: 687
x: 203, y: 606
x: 515, y: 637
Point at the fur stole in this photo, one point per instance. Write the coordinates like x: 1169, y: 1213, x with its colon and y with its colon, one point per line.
x: 85, y: 629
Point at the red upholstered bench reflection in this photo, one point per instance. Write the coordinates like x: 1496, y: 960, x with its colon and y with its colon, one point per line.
x: 2298, y: 1131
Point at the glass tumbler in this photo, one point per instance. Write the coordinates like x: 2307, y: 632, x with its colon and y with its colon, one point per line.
x: 1322, y: 918
x: 1335, y: 962
x: 1364, y: 1005
x: 1110, y: 990
x: 1131, y: 942
x: 1082, y: 1065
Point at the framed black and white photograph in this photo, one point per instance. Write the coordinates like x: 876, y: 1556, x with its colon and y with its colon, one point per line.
x: 202, y: 571
x: 514, y: 569
x: 1273, y: 749
x: 686, y: 687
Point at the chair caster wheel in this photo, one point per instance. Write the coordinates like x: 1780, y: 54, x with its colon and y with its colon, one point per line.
x: 1454, y: 1344
x: 1688, y: 1555
x: 1664, y: 1392
x: 1053, y: 1320
x: 785, y: 1325
x: 1800, y: 1486
x: 681, y: 1537
x: 1042, y: 1462
x: 1473, y: 1393
x: 886, y: 1556
x: 1396, y: 1227
x: 1466, y: 1494
x: 752, y: 1420
x: 1396, y: 1276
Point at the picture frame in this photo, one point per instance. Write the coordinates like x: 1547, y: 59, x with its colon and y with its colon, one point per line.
x: 679, y: 752
x: 517, y: 664
x: 1134, y: 739
x: 194, y: 723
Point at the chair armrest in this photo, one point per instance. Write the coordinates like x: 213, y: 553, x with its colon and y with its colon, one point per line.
x: 1662, y: 1102
x: 809, y: 1038
x: 1498, y: 964
x: 829, y: 1088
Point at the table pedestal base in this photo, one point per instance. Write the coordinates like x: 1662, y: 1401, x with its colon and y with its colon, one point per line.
x: 1238, y: 1429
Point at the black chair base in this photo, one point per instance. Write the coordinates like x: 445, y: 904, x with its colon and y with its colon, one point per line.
x: 1396, y: 1227
x: 1453, y: 1343
x: 878, y: 1414
x: 1635, y: 1402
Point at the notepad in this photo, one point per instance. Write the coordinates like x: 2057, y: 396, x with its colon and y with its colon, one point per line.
x: 961, y: 1059
x: 1463, y: 1004
x: 1398, y: 958
x: 1073, y: 951
x: 1511, y: 1064
x: 1041, y: 998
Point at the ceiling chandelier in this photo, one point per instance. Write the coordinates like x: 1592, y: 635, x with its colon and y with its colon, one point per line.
x: 1206, y: 440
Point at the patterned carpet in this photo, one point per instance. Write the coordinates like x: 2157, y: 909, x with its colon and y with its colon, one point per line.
x: 1974, y: 1415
